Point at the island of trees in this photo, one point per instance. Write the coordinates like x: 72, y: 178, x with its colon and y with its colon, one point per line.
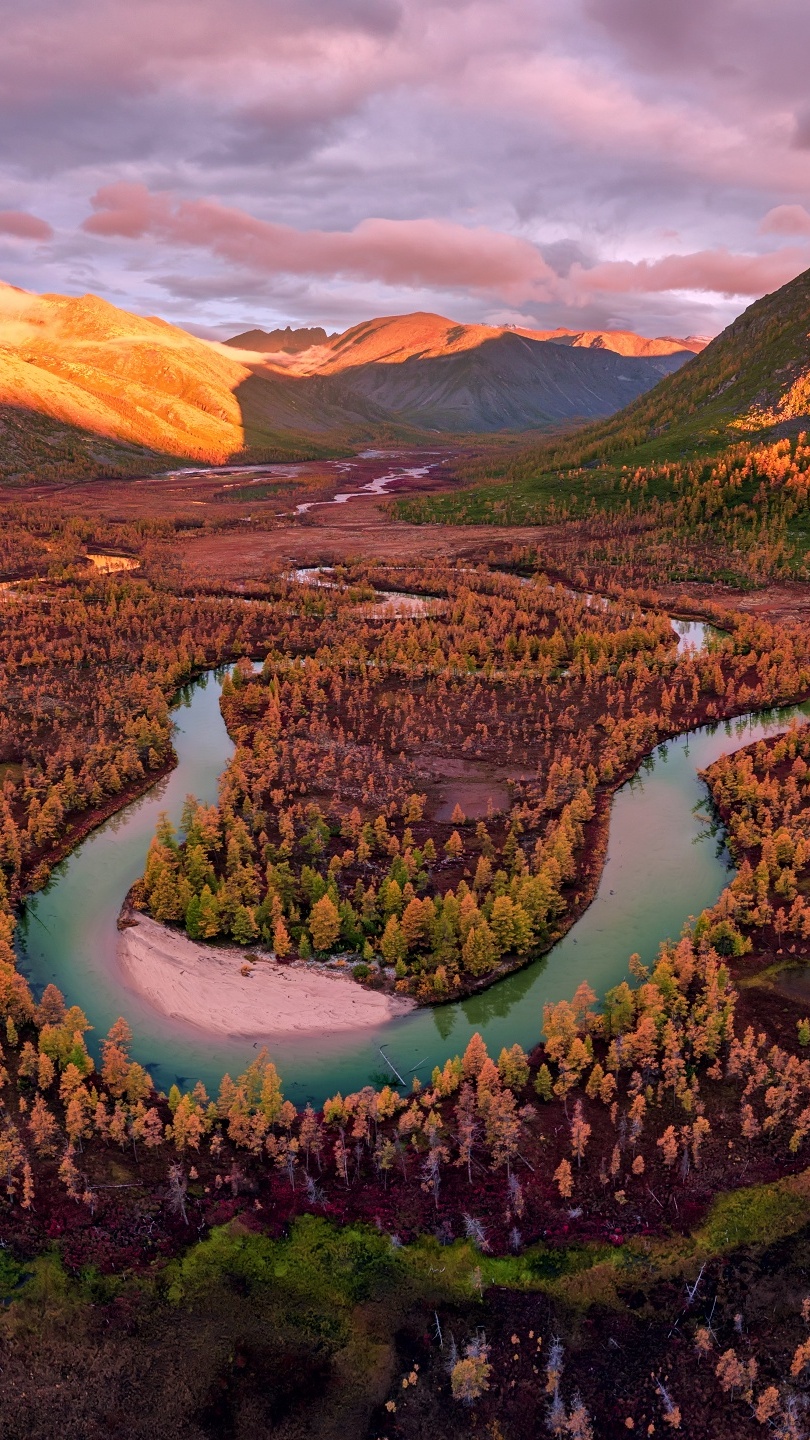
x: 334, y: 832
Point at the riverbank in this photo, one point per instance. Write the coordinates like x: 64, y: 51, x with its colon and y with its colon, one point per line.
x: 40, y: 864
x: 207, y: 988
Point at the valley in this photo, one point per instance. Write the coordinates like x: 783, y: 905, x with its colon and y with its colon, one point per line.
x: 89, y: 390
x: 365, y: 883
x: 404, y: 721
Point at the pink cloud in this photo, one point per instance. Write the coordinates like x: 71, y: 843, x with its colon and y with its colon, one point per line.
x: 24, y: 226
x: 424, y: 252
x: 397, y: 252
x: 716, y: 271
x: 64, y: 49
x: 786, y: 220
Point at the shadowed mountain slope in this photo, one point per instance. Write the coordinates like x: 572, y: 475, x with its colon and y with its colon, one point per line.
x: 506, y: 383
x: 753, y: 379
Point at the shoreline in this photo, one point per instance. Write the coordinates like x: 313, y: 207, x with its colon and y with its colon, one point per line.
x: 204, y: 987
x: 36, y: 875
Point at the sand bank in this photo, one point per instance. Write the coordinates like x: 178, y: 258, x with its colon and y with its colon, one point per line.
x: 203, y: 986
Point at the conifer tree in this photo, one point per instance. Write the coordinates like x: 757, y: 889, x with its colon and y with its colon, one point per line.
x: 324, y: 923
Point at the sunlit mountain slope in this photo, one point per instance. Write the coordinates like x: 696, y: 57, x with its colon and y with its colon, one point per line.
x: 88, y: 388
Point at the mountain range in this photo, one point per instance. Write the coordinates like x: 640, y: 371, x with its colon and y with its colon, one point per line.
x: 392, y: 339
x: 88, y: 388
x: 429, y: 372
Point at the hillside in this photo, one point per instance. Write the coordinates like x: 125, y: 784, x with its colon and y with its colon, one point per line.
x: 84, y: 385
x: 754, y: 378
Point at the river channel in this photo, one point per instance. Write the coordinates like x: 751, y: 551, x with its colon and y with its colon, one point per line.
x: 664, y: 865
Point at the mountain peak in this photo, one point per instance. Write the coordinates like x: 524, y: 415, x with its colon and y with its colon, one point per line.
x: 422, y: 334
x: 287, y: 341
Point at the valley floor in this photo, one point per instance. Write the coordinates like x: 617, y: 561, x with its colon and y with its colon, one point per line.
x: 229, y: 529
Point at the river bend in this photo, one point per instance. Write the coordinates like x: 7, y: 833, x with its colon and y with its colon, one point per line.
x: 664, y: 864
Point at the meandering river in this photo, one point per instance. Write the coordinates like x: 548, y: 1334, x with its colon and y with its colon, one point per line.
x: 664, y: 864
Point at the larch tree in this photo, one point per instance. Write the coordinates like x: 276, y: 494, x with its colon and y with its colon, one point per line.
x: 324, y: 923
x: 580, y: 1133
x: 564, y: 1180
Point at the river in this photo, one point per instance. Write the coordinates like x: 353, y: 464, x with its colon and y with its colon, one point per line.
x: 664, y: 864
x: 377, y: 486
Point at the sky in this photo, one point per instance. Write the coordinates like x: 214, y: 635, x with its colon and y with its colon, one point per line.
x: 630, y: 164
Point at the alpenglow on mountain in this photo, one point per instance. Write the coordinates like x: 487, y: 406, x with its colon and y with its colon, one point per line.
x: 427, y: 371
x: 86, y: 388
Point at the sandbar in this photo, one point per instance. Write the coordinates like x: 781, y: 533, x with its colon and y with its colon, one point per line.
x: 202, y: 985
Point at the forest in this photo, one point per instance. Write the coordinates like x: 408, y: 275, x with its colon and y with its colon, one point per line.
x: 331, y: 833
x: 650, y: 1135
x: 736, y: 515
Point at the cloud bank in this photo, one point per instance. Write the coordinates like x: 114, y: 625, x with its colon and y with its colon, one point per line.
x: 430, y: 253
x: 626, y: 162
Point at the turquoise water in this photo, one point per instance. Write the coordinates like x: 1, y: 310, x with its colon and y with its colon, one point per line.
x: 664, y: 865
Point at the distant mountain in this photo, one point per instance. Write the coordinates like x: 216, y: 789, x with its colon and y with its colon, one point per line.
x: 623, y: 342
x: 287, y: 341
x: 427, y: 371
x: 393, y: 339
x: 506, y: 383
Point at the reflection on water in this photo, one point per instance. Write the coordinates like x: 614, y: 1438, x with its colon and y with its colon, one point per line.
x: 664, y: 865
x: 386, y: 603
x: 113, y: 564
x: 693, y: 634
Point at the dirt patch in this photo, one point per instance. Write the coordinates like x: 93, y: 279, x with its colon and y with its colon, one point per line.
x: 479, y: 799
x: 480, y: 790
